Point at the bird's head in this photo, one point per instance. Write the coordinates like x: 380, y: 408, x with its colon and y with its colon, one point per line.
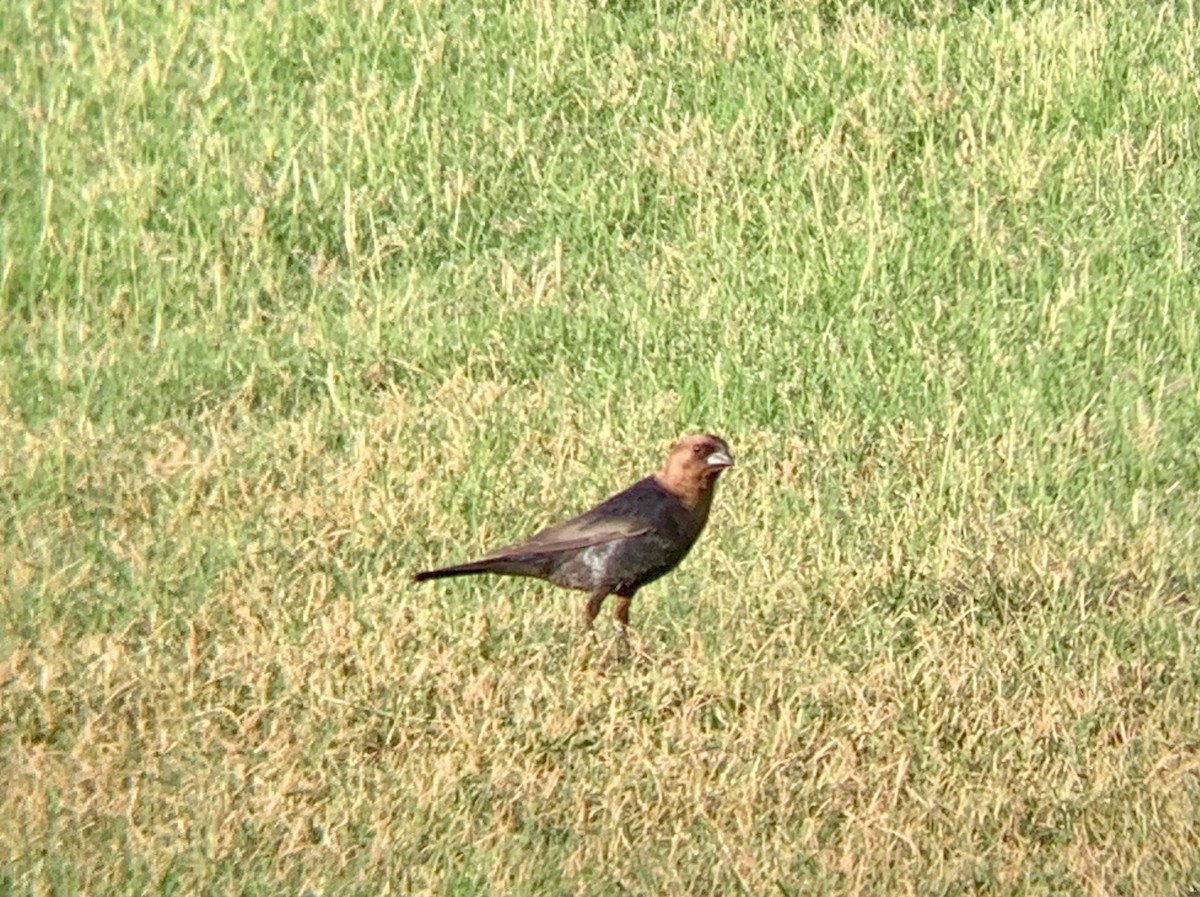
x: 694, y: 463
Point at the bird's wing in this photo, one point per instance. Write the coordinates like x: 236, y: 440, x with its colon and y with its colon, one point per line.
x: 575, y: 534
x: 631, y: 512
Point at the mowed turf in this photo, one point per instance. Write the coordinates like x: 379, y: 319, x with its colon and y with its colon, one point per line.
x: 301, y: 299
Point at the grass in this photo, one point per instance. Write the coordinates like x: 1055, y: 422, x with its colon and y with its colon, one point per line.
x: 297, y: 300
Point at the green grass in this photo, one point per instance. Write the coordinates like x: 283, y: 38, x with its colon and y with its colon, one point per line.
x: 299, y: 300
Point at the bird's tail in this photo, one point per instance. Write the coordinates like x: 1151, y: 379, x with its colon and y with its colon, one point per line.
x: 510, y: 566
x: 456, y: 570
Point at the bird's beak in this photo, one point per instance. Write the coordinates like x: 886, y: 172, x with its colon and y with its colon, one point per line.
x: 720, y: 459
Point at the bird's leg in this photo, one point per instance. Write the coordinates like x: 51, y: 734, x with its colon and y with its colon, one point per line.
x: 621, y: 611
x: 592, y: 608
x: 621, y: 619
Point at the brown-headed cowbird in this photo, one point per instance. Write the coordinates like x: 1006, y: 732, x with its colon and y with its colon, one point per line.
x: 624, y: 542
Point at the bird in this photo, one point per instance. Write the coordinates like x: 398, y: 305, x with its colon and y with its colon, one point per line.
x: 627, y: 541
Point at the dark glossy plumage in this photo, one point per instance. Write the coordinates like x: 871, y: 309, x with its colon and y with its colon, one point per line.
x: 624, y: 542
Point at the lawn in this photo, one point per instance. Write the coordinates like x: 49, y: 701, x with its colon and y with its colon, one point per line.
x: 298, y: 300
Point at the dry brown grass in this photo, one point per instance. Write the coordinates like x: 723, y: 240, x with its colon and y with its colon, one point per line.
x: 826, y: 712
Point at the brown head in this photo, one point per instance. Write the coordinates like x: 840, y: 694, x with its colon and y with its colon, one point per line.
x: 692, y: 467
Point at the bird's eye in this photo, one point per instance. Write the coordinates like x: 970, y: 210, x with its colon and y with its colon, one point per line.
x: 697, y: 450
